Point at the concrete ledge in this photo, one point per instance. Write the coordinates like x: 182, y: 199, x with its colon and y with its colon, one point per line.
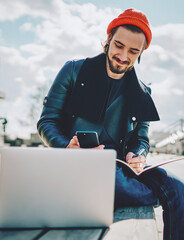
x: 134, y: 223
x: 133, y: 229
x: 142, y: 212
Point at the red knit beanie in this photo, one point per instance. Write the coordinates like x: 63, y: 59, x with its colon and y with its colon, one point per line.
x: 133, y: 17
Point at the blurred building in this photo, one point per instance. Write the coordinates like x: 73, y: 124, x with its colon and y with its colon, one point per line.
x: 33, y: 141
x: 171, y: 141
x: 2, y: 95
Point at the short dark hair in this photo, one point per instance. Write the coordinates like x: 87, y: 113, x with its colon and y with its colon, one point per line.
x: 130, y: 27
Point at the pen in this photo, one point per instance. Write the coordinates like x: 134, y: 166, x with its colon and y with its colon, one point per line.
x: 139, y: 153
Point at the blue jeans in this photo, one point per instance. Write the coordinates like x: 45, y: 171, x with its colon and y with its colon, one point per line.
x: 147, y: 189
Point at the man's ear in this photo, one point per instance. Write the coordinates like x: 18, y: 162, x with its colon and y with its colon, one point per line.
x: 139, y: 59
x: 109, y: 38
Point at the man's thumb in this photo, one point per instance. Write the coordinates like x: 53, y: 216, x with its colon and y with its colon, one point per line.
x: 129, y: 156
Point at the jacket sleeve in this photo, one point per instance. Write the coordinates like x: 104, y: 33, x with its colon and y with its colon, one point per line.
x: 139, y: 139
x: 52, y: 116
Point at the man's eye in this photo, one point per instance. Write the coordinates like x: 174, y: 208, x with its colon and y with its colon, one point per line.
x: 118, y: 45
x: 132, y: 52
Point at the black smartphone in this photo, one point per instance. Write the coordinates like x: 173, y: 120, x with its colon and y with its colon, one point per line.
x: 88, y: 139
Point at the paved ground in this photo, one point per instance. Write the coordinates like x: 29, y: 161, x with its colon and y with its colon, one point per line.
x: 159, y: 222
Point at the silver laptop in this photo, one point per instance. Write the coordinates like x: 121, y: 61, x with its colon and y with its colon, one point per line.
x: 46, y: 187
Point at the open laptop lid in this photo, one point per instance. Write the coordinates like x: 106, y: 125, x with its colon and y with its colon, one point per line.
x: 47, y: 187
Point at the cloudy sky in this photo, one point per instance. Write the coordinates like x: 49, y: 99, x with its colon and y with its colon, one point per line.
x: 37, y: 37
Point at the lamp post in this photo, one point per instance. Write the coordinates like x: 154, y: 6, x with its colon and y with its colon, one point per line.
x: 3, y: 121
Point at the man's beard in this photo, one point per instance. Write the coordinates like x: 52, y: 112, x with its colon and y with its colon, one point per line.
x: 117, y: 69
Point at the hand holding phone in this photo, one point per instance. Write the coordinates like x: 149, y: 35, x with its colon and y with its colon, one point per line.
x: 87, y: 139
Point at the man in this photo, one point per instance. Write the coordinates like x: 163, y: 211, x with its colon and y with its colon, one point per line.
x: 103, y: 94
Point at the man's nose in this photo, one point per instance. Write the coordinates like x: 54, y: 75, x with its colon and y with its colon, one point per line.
x: 123, y: 55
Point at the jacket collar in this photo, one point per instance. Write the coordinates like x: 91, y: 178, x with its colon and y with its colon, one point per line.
x: 140, y: 102
x: 89, y: 95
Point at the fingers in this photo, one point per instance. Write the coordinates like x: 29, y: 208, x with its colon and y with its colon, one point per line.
x: 137, y: 163
x: 129, y: 156
x: 138, y: 167
x: 74, y: 143
x: 75, y: 140
x: 99, y: 147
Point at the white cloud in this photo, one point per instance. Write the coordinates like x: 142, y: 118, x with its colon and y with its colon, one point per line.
x: 159, y: 52
x: 35, y: 49
x: 11, y: 55
x: 26, y: 27
x: 50, y: 33
x: 163, y: 88
x: 178, y: 92
x: 175, y: 31
x: 19, y: 8
x: 16, y: 8
x: 18, y: 79
x: 1, y: 37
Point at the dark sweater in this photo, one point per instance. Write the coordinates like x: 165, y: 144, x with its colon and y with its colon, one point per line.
x: 115, y: 89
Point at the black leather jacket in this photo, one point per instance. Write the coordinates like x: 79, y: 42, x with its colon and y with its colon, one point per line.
x: 72, y: 105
